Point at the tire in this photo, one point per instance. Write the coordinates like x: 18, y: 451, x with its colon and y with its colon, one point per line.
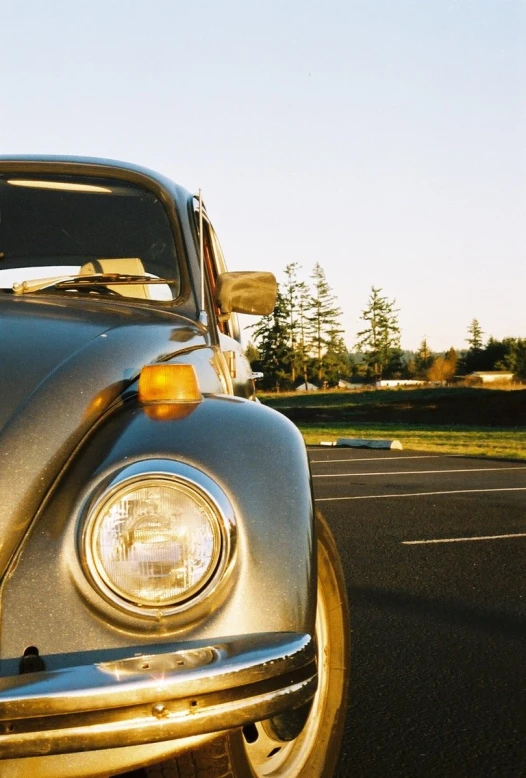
x: 259, y: 753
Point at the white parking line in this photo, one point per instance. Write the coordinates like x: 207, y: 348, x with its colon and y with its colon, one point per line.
x: 418, y: 472
x: 374, y: 459
x: 462, y: 540
x: 421, y: 494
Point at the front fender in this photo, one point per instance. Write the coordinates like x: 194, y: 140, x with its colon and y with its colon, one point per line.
x: 255, y: 455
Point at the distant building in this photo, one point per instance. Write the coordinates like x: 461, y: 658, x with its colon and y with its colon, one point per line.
x: 400, y: 382
x: 307, y: 388
x: 489, y: 376
x: 342, y: 384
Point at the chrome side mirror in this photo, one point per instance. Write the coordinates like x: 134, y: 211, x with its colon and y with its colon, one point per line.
x: 251, y: 292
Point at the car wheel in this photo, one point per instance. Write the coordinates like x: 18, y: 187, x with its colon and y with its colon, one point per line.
x: 258, y: 751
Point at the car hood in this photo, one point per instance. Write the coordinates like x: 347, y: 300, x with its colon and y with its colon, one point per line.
x: 63, y: 362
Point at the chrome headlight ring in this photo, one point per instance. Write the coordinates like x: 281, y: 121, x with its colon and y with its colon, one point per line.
x: 157, y: 537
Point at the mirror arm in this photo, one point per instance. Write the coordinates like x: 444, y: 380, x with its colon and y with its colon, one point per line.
x: 203, y: 316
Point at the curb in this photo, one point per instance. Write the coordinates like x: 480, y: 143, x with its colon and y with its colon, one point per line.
x: 363, y: 443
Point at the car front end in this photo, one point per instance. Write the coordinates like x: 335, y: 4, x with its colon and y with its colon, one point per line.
x: 158, y: 549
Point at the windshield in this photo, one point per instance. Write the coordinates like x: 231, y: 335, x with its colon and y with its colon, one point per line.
x: 56, y: 227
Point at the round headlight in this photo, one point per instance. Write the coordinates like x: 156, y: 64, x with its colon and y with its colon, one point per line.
x: 154, y: 540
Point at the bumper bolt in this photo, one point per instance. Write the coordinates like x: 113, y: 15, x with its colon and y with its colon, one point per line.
x: 159, y: 710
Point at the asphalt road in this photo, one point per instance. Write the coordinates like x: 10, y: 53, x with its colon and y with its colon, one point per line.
x: 434, y: 554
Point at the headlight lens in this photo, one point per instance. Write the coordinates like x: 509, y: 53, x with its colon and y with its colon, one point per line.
x: 154, y: 541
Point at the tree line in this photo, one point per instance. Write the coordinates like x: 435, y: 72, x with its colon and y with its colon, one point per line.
x: 301, y: 342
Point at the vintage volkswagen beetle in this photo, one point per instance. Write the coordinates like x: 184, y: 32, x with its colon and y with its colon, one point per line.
x: 169, y: 603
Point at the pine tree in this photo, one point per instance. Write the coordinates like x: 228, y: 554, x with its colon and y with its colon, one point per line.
x: 272, y: 336
x: 303, y: 343
x: 410, y: 365
x: 395, y: 367
x: 379, y: 342
x: 324, y: 319
x: 475, y: 336
x: 293, y: 292
x: 336, y: 360
x: 473, y: 358
x: 515, y: 358
x: 518, y: 359
x: 424, y: 358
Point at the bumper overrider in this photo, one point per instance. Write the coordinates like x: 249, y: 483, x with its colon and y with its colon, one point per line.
x: 151, y: 698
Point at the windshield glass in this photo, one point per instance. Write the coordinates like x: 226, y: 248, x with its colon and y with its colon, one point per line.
x: 56, y: 227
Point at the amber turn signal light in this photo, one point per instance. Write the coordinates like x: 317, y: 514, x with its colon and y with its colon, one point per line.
x: 168, y: 383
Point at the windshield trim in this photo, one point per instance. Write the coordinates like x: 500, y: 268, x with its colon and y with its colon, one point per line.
x: 171, y: 196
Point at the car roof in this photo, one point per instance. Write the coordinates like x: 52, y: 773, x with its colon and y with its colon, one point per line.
x: 91, y: 165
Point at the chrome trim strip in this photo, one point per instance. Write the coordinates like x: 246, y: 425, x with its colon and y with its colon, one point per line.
x: 147, y: 699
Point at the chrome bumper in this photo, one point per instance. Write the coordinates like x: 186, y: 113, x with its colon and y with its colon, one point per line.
x: 148, y: 699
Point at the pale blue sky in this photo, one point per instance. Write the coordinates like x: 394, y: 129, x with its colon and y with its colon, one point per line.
x: 385, y: 139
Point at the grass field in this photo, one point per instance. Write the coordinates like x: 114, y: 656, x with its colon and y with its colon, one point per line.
x: 467, y: 421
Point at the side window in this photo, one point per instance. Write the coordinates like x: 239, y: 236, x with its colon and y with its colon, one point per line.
x: 237, y: 368
x: 215, y: 264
